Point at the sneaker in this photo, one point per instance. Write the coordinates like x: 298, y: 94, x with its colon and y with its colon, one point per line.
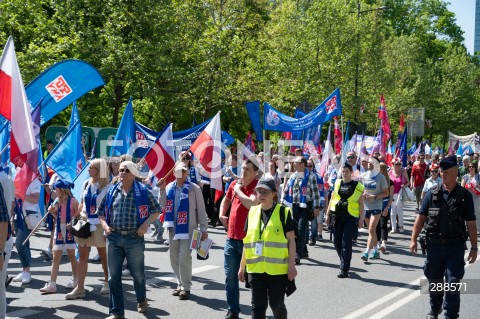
x: 141, y: 307
x: 231, y: 315
x: 49, y: 288
x: 184, y: 295
x: 176, y: 292
x: 47, y: 253
x: 343, y: 274
x: 311, y: 242
x: 364, y: 257
x: 8, y: 280
x: 116, y: 317
x: 166, y: 242
x: 27, y: 277
x: 96, y: 258
x: 75, y: 294
x: 433, y: 314
x: 72, y: 283
x: 18, y: 278
x: 105, y: 289
x: 393, y: 231
x: 297, y: 261
x: 383, y: 248
x: 375, y: 255
x: 401, y: 230
x: 320, y: 237
x: 126, y: 272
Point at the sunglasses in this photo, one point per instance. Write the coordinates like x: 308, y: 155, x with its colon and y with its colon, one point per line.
x: 398, y: 164
x: 471, y: 166
x: 435, y: 171
x: 124, y: 170
x: 309, y: 165
x: 264, y: 193
x: 351, y: 157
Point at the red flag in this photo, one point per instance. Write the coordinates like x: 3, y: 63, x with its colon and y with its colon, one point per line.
x: 383, y: 116
x: 337, y: 133
x: 14, y: 106
x: 207, y: 148
x: 160, y: 157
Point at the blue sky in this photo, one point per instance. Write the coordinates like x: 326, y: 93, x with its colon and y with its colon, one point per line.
x: 465, y: 13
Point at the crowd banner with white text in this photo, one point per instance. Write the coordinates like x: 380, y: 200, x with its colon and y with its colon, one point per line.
x: 274, y: 120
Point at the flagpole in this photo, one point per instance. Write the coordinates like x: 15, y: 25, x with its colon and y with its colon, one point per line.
x: 4, y: 149
x: 35, y: 228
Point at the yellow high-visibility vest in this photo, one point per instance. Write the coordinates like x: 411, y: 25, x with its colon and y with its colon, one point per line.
x: 274, y: 257
x: 353, y: 206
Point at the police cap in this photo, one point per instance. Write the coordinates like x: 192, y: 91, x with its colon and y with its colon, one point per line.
x: 448, y: 162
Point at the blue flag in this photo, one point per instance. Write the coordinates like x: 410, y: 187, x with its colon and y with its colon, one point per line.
x: 61, y: 84
x: 274, y: 120
x: 74, y: 117
x: 78, y: 182
x: 67, y: 159
x: 403, y: 148
x: 4, y: 140
x: 298, y: 135
x: 253, y: 110
x: 125, y: 136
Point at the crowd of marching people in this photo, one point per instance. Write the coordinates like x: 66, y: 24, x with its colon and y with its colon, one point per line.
x: 123, y: 201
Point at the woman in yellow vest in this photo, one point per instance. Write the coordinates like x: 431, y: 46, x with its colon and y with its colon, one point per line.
x: 268, y: 252
x: 347, y: 206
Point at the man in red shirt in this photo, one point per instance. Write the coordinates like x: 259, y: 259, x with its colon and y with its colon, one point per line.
x: 240, y: 196
x: 417, y: 180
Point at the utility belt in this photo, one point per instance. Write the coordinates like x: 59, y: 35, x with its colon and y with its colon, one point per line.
x: 439, y: 241
x: 125, y: 232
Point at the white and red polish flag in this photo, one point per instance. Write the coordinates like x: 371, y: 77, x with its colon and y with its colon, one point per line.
x: 14, y: 106
x: 160, y: 157
x: 208, y: 149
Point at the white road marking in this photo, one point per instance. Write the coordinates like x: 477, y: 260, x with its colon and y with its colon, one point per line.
x: 197, y: 270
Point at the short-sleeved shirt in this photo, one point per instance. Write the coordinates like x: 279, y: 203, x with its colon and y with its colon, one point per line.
x: 418, y: 173
x: 123, y: 215
x: 238, y: 212
x: 430, y: 183
x: 373, y: 186
x: 469, y: 208
x: 33, y: 188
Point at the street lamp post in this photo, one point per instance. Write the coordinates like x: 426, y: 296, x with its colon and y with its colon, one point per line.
x: 359, y: 11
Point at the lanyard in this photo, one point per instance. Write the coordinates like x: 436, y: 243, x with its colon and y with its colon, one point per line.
x: 265, y: 223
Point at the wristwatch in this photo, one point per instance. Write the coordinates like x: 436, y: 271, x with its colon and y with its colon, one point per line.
x: 474, y: 248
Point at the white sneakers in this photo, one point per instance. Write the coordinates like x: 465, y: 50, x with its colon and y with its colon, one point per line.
x: 126, y: 272
x: 72, y: 283
x: 24, y: 277
x: 49, y: 288
x: 105, y: 289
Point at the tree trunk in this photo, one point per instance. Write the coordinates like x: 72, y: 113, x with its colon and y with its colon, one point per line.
x: 117, y: 103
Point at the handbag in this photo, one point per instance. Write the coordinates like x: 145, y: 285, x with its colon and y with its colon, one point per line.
x: 32, y: 220
x: 80, y: 228
x: 407, y: 193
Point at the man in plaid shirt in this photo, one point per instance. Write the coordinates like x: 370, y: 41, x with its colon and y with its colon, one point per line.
x: 302, y: 195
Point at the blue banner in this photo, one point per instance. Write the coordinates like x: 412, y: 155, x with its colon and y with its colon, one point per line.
x: 253, y: 110
x: 62, y: 84
x: 273, y: 120
x: 298, y: 135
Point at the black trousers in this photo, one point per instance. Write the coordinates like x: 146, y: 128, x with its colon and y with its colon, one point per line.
x: 268, y: 289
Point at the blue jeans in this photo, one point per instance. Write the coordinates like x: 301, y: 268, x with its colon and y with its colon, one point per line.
x: 24, y: 252
x: 300, y: 217
x: 233, y: 256
x: 120, y: 247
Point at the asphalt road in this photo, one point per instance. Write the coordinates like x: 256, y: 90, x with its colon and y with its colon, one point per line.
x: 384, y: 288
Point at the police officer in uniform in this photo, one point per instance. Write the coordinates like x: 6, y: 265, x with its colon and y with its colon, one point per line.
x: 444, y: 212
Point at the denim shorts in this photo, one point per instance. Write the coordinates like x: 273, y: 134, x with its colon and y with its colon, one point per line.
x: 372, y: 212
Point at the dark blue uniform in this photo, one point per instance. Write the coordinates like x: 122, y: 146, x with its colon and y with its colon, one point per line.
x: 445, y: 242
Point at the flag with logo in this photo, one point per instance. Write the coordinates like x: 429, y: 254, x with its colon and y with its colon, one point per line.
x: 208, y: 149
x: 14, y: 106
